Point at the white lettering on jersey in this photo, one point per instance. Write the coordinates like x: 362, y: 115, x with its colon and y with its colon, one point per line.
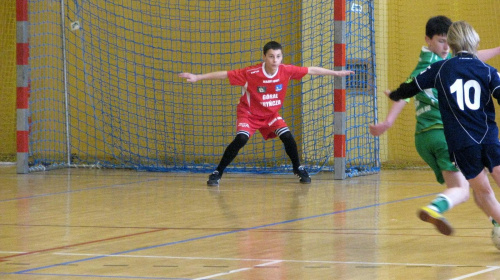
x: 464, y: 91
x: 269, y: 96
x: 243, y: 125
x: 270, y: 81
x: 271, y: 103
x: 423, y: 110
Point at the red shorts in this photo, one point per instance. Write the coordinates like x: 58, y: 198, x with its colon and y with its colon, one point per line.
x: 266, y: 126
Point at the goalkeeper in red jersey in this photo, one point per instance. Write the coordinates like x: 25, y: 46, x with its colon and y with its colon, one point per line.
x: 263, y: 93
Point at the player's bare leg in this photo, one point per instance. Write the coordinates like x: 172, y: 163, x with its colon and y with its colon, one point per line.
x: 457, y: 192
x: 484, y: 195
x: 457, y: 187
x: 495, y: 232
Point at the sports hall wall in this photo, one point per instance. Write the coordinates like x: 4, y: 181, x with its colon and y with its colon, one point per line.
x: 399, y: 27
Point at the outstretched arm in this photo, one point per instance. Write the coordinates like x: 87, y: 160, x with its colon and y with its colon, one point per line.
x: 220, y: 75
x: 484, y: 55
x: 405, y: 90
x: 381, y: 127
x: 313, y: 70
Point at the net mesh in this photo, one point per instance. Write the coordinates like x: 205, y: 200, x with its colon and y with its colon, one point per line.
x: 105, y: 91
x: 8, y: 81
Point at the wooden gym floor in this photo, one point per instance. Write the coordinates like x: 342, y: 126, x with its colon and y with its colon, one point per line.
x: 123, y: 224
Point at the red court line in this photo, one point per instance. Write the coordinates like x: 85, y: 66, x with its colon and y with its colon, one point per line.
x: 3, y: 259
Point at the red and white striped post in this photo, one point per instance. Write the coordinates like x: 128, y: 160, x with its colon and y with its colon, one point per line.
x: 22, y: 56
x: 339, y: 139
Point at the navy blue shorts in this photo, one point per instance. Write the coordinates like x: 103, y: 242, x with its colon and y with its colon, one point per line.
x: 472, y: 160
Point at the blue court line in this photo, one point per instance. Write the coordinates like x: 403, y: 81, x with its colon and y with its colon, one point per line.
x: 27, y: 271
x: 76, y: 191
x: 104, y: 276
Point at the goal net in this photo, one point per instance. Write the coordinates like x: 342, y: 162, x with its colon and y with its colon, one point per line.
x: 8, y: 82
x: 104, y: 90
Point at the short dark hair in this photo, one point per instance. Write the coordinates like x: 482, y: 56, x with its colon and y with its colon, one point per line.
x: 437, y: 25
x: 272, y: 45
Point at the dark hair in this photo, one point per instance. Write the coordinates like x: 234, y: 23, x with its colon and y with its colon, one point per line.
x: 437, y: 25
x: 272, y: 45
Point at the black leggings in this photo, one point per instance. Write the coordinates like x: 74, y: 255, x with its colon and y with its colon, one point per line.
x: 291, y: 148
x: 232, y: 151
x: 240, y: 141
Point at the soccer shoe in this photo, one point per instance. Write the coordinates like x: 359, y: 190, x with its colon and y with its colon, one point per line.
x: 213, y: 179
x: 303, y: 175
x: 426, y: 214
x: 495, y: 236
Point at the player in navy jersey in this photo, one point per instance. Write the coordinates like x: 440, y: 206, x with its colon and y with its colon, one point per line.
x: 430, y: 141
x: 465, y: 88
x: 263, y: 93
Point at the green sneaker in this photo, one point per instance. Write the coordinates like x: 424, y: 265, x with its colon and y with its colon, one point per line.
x: 426, y: 214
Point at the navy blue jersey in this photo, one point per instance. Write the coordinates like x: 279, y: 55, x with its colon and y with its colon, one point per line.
x: 465, y: 88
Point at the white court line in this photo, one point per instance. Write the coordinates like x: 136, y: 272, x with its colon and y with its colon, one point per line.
x: 236, y: 270
x: 224, y: 273
x: 8, y: 252
x: 270, y: 262
x: 476, y: 273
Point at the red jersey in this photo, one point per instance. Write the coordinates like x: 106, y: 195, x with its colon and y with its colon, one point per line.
x: 263, y: 94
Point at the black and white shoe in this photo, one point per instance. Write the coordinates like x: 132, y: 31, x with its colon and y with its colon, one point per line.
x: 213, y: 179
x: 301, y: 172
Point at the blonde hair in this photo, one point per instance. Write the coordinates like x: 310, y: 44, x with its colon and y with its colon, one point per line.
x: 463, y: 37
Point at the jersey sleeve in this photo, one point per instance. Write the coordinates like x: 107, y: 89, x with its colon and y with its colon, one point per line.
x: 427, y: 77
x: 237, y: 77
x: 406, y: 90
x: 495, y: 84
x: 297, y: 72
